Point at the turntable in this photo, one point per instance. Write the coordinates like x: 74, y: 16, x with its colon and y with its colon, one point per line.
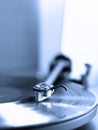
x: 56, y: 102
x: 32, y: 98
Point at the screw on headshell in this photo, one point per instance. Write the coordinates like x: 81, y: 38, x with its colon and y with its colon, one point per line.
x: 46, y: 89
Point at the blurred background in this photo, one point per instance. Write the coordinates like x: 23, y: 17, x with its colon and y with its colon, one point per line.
x: 30, y: 36
x: 32, y: 32
x: 80, y: 36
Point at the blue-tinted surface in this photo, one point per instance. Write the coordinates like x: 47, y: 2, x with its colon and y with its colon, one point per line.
x: 30, y: 35
x: 18, y: 36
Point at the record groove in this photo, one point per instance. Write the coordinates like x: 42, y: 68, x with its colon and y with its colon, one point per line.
x: 62, y: 106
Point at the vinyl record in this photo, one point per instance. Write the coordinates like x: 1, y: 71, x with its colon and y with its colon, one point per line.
x: 67, y: 109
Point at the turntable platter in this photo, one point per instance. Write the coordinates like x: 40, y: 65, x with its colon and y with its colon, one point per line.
x: 13, y: 93
x: 8, y: 94
x: 72, y: 108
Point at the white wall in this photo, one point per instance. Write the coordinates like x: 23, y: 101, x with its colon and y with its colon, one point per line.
x: 80, y: 36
